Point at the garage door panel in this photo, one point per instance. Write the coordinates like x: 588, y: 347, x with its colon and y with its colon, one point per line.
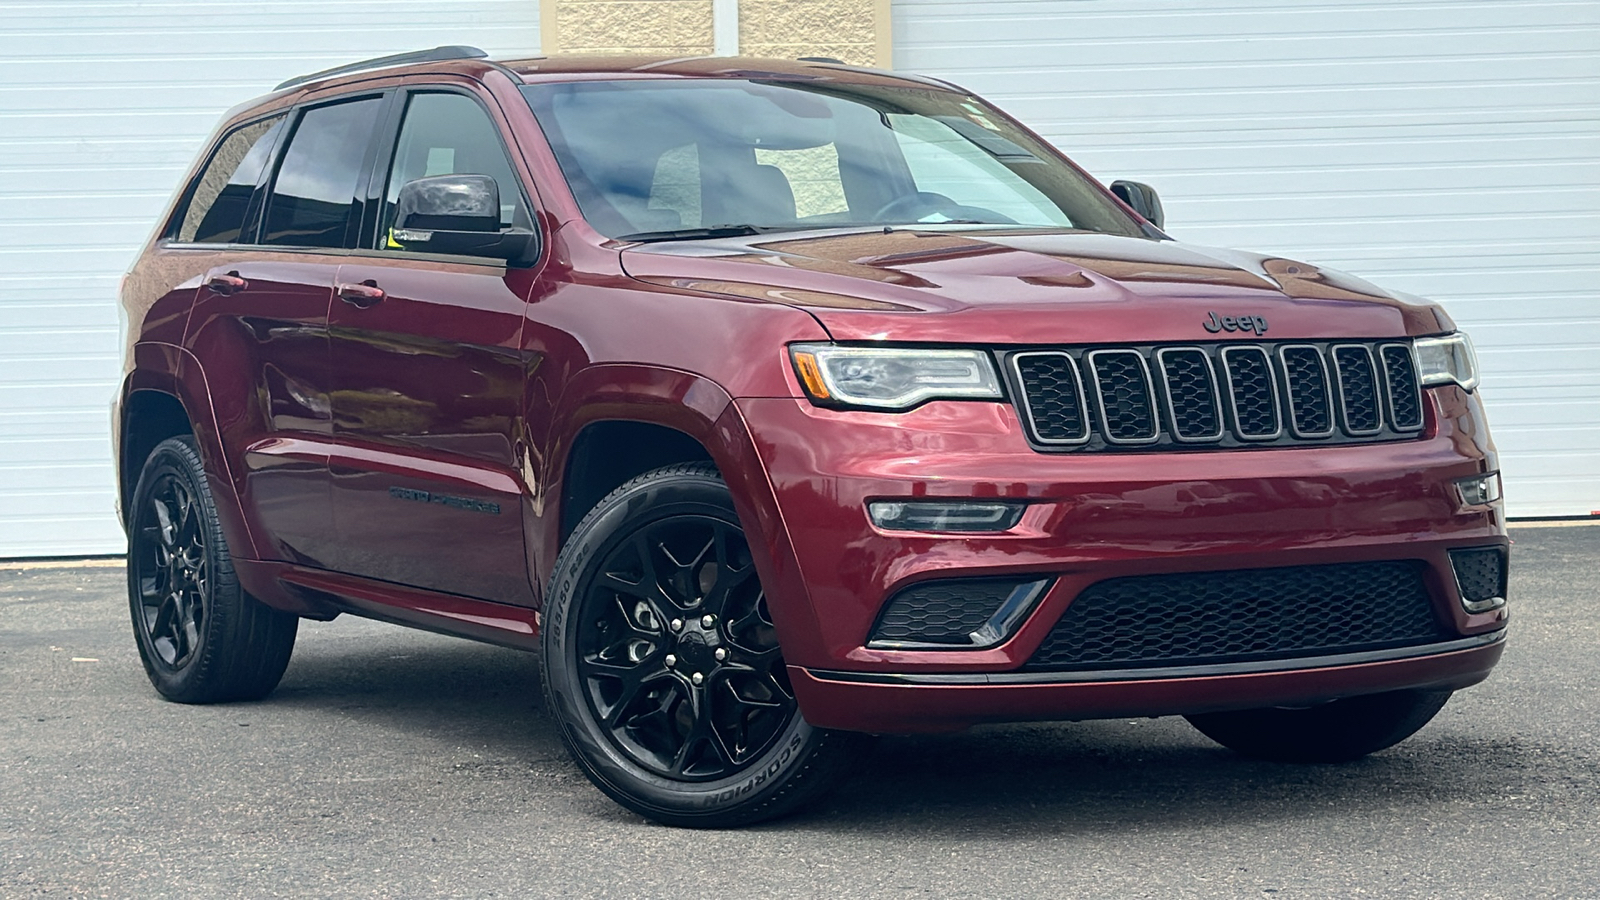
x: 103, y: 106
x: 1443, y: 148
x: 950, y: 24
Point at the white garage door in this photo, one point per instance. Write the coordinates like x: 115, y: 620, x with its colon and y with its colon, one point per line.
x: 1446, y: 148
x: 102, y: 107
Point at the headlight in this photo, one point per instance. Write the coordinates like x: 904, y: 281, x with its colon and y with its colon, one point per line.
x: 892, y: 377
x: 1447, y: 360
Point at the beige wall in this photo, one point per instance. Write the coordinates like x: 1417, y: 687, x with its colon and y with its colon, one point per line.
x: 855, y: 31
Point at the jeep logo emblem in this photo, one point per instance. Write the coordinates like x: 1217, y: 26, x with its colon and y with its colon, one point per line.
x: 1216, y: 323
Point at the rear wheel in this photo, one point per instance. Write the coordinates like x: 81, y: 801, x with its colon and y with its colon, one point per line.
x: 1339, y: 731
x: 662, y: 666
x: 201, y: 637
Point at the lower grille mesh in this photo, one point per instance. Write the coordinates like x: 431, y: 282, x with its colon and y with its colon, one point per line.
x: 1480, y: 573
x: 1219, y: 617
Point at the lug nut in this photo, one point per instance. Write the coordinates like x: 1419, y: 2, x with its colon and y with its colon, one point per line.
x: 677, y: 624
x: 721, y: 654
x: 671, y: 660
x: 697, y: 678
x: 707, y: 621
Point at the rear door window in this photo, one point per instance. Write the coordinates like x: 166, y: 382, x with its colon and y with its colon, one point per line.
x: 220, y: 201
x: 313, y: 201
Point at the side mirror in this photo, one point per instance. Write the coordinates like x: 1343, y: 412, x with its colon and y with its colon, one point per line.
x: 456, y: 214
x: 1143, y: 199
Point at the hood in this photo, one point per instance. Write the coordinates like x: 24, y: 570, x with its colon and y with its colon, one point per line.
x: 1013, y: 286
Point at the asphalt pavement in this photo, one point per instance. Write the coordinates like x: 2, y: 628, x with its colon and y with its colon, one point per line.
x: 392, y: 763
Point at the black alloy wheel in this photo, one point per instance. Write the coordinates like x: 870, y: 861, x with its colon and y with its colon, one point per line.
x: 201, y: 637
x: 662, y: 663
x: 678, y: 652
x: 171, y: 572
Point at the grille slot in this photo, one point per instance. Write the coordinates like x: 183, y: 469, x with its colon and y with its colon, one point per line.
x: 1126, y: 397
x: 1400, y: 384
x: 1239, y: 616
x: 1306, y: 375
x: 1359, y: 407
x: 1052, y: 397
x: 1193, y: 397
x: 1252, y: 393
x: 1191, y: 392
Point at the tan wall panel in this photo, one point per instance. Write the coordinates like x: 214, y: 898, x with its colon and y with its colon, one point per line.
x: 786, y: 29
x: 673, y: 27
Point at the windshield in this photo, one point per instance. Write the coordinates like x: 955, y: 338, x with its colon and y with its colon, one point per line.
x: 654, y: 159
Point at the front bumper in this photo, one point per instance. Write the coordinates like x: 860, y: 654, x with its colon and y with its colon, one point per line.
x: 1093, y: 516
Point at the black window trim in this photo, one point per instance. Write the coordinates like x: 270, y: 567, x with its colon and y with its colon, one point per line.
x: 169, y: 232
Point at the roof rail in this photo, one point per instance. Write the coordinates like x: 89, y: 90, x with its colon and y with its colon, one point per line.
x: 822, y: 59
x: 437, y: 54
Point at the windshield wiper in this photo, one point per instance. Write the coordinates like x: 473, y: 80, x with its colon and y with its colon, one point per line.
x: 708, y: 231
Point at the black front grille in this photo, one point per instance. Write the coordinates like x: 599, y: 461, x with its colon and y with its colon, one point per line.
x: 1207, y: 618
x: 1217, y: 395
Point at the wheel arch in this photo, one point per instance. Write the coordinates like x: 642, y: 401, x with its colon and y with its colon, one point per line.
x: 694, y: 419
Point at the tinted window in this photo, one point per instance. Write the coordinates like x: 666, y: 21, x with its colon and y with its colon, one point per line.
x: 450, y: 134
x: 221, y: 196
x: 313, y: 199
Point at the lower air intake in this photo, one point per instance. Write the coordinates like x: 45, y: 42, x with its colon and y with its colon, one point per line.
x: 1481, y: 576
x: 955, y: 613
x: 1207, y: 618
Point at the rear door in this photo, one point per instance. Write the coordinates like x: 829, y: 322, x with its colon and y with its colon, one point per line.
x: 428, y: 377
x: 259, y: 325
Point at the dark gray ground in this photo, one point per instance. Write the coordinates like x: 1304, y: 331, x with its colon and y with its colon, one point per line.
x: 395, y: 763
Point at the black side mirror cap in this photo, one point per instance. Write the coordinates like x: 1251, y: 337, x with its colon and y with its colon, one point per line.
x: 1142, y: 197
x: 457, y: 214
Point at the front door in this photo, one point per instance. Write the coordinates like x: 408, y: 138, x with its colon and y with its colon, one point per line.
x: 427, y: 383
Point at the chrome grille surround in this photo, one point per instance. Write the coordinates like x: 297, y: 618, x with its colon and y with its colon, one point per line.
x: 1208, y: 399
x: 1129, y: 415
x: 1360, y: 407
x: 1312, y: 397
x: 1252, y: 393
x: 1401, y: 388
x: 1216, y: 395
x: 1071, y: 427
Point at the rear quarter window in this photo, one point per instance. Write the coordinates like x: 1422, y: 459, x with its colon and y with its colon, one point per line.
x: 220, y: 199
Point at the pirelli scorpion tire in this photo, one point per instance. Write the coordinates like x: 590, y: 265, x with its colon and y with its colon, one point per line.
x: 662, y: 666
x: 202, y: 638
x: 1339, y: 731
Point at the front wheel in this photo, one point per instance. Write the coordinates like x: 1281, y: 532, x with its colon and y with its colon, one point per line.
x: 1338, y: 731
x: 662, y: 667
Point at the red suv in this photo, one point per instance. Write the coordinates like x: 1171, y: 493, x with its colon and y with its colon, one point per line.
x: 775, y: 404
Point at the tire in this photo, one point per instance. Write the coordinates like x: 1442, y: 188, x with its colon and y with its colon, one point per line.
x: 202, y: 638
x: 1339, y: 731
x: 662, y: 668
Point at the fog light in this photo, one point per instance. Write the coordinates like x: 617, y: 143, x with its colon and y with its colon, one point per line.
x: 1479, y: 490
x: 964, y: 516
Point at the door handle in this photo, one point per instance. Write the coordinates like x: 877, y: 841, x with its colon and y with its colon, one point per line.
x: 227, y: 284
x: 362, y: 295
